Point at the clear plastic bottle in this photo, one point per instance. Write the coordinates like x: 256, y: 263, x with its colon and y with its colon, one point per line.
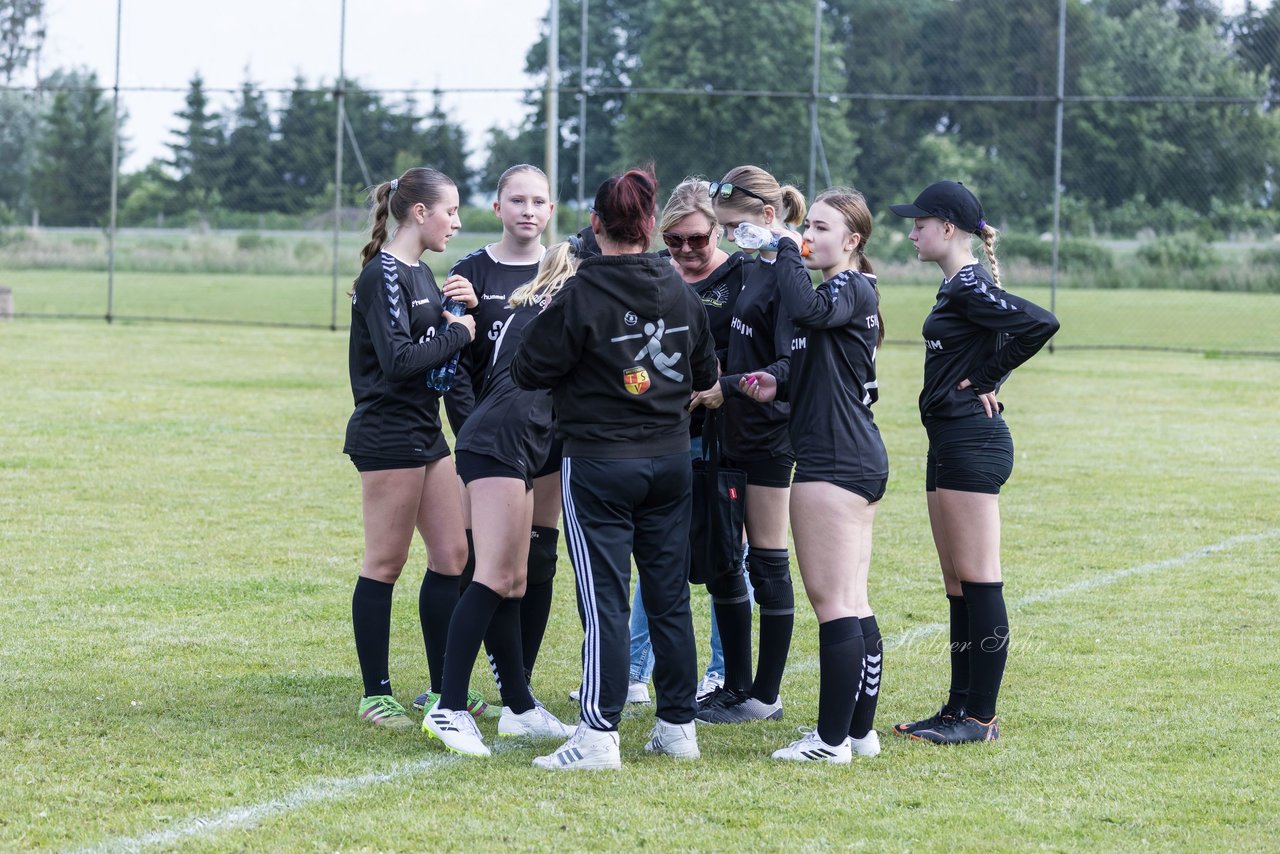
x: 441, y: 377
x: 749, y: 236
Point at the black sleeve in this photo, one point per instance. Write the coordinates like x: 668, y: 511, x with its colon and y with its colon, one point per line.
x: 1028, y: 326
x: 551, y: 345
x: 703, y: 361
x: 812, y: 308
x: 780, y: 367
x: 399, y: 357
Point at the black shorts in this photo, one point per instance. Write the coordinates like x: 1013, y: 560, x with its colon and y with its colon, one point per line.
x: 770, y: 471
x: 872, y: 490
x: 552, y: 465
x: 476, y: 466
x: 970, y: 454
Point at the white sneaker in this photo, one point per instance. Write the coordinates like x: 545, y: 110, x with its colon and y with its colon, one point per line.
x: 457, y: 730
x: 868, y: 745
x: 587, y: 749
x: 811, y: 748
x: 678, y: 740
x: 535, y: 723
x: 637, y: 692
x: 708, y: 686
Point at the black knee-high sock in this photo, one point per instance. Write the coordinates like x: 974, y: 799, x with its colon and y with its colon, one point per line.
x: 770, y: 571
x: 476, y: 608
x: 506, y: 657
x: 535, y: 607
x: 437, y: 598
x: 958, y: 695
x: 371, y: 618
x: 840, y: 654
x: 988, y: 645
x: 864, y: 711
x: 733, y: 617
x: 469, y: 568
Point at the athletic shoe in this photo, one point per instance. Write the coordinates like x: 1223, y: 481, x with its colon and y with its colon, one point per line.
x: 637, y: 693
x: 719, y: 697
x: 678, y: 740
x: 738, y: 708
x: 587, y: 749
x: 475, y: 703
x: 457, y: 729
x: 945, y: 714
x: 960, y: 731
x: 535, y: 723
x: 811, y: 748
x: 383, y: 710
x: 868, y: 745
x: 708, y: 686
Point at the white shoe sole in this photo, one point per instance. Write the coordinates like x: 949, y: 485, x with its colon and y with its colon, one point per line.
x: 601, y: 763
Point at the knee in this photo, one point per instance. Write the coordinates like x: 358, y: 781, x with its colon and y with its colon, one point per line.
x: 770, y: 571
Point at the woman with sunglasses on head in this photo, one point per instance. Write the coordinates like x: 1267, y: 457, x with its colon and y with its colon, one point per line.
x: 757, y: 442
x: 505, y: 440
x: 976, y: 334
x: 622, y: 348
x: 399, y: 332
x: 524, y: 207
x: 691, y: 233
x: 841, y: 465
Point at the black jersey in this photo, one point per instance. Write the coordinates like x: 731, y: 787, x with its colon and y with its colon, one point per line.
x: 622, y: 346
x: 979, y: 332
x: 494, y: 282
x: 395, y: 313
x: 759, y: 339
x: 719, y: 294
x: 509, y: 423
x: 832, y: 380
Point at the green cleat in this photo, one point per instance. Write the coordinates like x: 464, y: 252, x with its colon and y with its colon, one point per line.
x: 475, y: 704
x: 383, y: 710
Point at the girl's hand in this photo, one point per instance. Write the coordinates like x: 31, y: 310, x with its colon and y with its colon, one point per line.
x: 712, y: 398
x: 457, y: 287
x: 760, y: 386
x: 468, y: 322
x: 988, y: 400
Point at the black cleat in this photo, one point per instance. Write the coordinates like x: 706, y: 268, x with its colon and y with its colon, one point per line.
x: 960, y: 731
x: 721, y: 696
x: 944, y: 715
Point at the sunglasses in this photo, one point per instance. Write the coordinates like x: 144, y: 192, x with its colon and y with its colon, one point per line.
x: 694, y: 241
x: 724, y: 190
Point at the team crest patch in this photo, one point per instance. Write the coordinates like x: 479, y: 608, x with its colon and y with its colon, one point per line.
x: 636, y: 380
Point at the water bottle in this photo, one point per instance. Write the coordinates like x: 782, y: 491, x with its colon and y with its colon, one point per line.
x: 748, y: 236
x: 441, y: 377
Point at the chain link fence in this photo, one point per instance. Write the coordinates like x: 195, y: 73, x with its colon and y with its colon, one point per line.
x: 1128, y: 151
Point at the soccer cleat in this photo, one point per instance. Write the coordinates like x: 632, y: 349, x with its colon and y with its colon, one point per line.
x: 719, y: 697
x: 811, y: 748
x: 586, y: 750
x: 960, y: 730
x: 637, y: 693
x: 535, y: 723
x: 708, y: 686
x: 383, y: 710
x: 457, y: 729
x: 946, y: 713
x: 868, y: 745
x: 738, y: 708
x: 678, y: 740
x: 475, y: 703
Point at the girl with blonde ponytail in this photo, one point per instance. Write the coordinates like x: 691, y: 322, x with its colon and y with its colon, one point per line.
x: 974, y: 336
x: 399, y: 332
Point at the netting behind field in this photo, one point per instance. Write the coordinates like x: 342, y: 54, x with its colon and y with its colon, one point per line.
x: 1127, y: 150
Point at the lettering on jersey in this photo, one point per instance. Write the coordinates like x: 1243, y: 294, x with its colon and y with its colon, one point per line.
x: 496, y: 330
x: 653, y: 349
x: 799, y: 343
x: 636, y: 380
x: 431, y: 333
x: 932, y: 345
x: 739, y: 326
x: 872, y: 321
x: 419, y: 302
x: 494, y: 296
x: 630, y: 318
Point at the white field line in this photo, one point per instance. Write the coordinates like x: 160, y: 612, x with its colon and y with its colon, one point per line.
x: 339, y: 787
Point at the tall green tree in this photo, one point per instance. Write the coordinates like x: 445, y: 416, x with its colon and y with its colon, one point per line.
x: 250, y: 182
x: 199, y: 154
x: 1257, y: 39
x: 19, y: 126
x: 443, y: 145
x: 21, y: 34
x: 72, y: 176
x: 303, y: 149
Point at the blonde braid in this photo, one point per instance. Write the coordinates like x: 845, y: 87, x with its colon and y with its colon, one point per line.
x: 989, y: 236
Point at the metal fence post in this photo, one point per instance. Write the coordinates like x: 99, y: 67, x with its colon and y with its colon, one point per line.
x: 1057, y: 157
x: 115, y: 173
x: 340, y: 98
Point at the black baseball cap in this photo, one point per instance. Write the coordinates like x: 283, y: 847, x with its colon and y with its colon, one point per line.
x: 949, y: 200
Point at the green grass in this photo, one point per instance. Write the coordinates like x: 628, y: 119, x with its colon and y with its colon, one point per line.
x: 179, y: 536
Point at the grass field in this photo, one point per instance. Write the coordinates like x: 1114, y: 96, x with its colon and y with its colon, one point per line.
x: 179, y: 536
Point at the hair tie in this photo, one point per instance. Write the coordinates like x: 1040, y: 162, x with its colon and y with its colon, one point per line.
x: 395, y: 182
x: 982, y: 223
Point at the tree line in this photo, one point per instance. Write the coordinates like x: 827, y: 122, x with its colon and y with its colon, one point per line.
x: 1169, y: 122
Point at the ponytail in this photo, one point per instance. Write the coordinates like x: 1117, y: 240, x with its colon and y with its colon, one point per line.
x: 989, y: 235
x: 793, y: 201
x: 625, y: 205
x: 381, y: 196
x: 557, y: 267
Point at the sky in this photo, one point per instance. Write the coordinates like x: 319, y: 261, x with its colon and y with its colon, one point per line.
x: 394, y: 44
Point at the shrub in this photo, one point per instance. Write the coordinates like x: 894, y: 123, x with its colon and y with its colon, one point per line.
x: 250, y: 241
x: 1187, y: 251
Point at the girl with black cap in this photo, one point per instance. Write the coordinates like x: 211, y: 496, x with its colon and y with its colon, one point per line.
x: 976, y: 334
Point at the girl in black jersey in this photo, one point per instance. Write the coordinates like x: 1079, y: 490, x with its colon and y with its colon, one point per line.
x: 841, y: 465
x: 757, y: 442
x: 974, y: 336
x: 505, y: 441
x: 524, y: 208
x: 399, y: 332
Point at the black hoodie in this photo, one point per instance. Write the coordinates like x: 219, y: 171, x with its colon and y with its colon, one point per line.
x: 622, y: 347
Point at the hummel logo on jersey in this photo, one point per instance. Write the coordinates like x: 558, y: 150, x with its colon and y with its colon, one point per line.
x: 419, y: 302
x: 494, y: 296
